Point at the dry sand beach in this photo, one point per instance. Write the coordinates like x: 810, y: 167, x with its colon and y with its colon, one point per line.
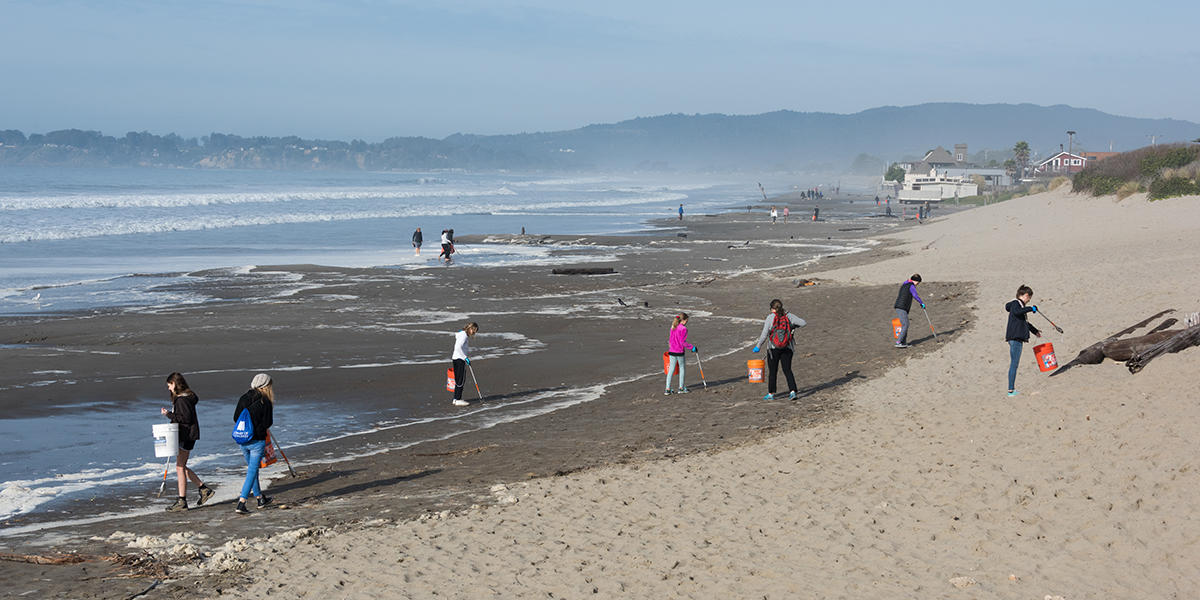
x: 901, y: 477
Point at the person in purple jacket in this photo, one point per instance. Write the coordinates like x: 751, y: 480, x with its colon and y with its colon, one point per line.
x: 677, y: 345
x: 908, y: 293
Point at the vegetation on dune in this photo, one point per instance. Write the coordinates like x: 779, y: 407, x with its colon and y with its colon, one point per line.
x: 1165, y: 171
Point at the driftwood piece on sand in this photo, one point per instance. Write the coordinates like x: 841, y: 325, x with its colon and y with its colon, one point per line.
x: 584, y: 271
x: 1180, y: 341
x: 1158, y: 341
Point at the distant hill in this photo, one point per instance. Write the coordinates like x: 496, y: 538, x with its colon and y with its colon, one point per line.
x: 781, y: 140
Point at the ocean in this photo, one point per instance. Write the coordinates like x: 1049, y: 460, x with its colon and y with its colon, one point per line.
x: 75, y: 241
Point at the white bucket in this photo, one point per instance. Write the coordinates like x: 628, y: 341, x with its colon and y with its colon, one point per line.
x: 166, y: 439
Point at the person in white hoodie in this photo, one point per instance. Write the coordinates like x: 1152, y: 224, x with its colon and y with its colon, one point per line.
x: 461, y: 360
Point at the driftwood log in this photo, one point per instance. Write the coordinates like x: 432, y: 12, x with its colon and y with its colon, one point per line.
x: 1180, y: 341
x: 1135, y: 352
x: 584, y: 271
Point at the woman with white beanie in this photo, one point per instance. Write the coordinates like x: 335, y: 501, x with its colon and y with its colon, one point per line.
x: 258, y: 403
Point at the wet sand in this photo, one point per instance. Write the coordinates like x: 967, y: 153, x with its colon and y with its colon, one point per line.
x: 845, y: 343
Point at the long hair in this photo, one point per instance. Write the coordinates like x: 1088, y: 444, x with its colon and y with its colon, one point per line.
x: 268, y: 392
x: 471, y: 328
x: 777, y: 307
x: 181, y: 385
x: 679, y: 318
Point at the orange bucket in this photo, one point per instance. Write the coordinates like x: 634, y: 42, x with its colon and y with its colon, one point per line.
x: 1045, y: 357
x: 450, y: 379
x: 755, y: 370
x: 666, y: 362
x: 897, y: 326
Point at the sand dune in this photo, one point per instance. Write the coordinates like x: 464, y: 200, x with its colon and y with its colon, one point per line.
x: 937, y: 484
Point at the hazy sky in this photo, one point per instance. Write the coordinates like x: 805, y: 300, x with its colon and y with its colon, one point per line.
x: 373, y: 69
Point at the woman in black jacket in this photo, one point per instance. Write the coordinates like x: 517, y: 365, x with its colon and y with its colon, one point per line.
x: 259, y: 403
x: 183, y: 412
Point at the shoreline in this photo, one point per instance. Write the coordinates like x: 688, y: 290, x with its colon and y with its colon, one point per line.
x: 458, y: 473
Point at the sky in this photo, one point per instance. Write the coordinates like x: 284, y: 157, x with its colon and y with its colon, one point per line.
x: 373, y: 69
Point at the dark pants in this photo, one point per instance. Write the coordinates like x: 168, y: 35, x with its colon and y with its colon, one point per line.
x: 903, y: 316
x: 460, y: 367
x: 775, y: 358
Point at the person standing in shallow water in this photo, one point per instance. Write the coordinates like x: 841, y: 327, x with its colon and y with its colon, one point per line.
x: 259, y: 401
x: 903, y: 305
x: 680, y: 212
x: 1017, y: 332
x: 417, y: 239
x: 183, y: 412
x: 459, y: 361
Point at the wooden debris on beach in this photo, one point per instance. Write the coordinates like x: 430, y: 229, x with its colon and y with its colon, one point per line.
x: 1182, y: 340
x: 584, y: 271
x: 1136, y: 352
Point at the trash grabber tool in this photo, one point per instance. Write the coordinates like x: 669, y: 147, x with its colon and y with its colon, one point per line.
x: 1059, y: 329
x: 166, y: 468
x: 701, y: 365
x: 285, y: 458
x: 930, y: 322
x: 475, y: 381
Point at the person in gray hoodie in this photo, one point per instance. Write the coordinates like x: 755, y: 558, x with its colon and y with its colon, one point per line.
x: 777, y: 331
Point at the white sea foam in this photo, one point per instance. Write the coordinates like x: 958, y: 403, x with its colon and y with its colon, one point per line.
x: 224, y: 198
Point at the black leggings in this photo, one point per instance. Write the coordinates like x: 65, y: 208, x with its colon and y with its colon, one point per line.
x: 460, y: 366
x: 775, y: 358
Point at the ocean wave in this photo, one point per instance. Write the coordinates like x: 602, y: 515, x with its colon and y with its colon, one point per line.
x: 208, y: 199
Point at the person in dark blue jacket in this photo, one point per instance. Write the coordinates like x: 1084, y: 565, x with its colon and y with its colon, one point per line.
x: 260, y: 402
x: 908, y: 292
x: 1018, y: 331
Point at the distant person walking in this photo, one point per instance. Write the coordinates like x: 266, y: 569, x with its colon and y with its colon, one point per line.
x: 447, y: 246
x: 259, y: 404
x: 183, y: 412
x: 816, y: 212
x: 677, y: 346
x: 774, y: 215
x: 459, y: 361
x: 777, y: 331
x: 904, y: 300
x: 680, y: 212
x: 1018, y: 331
x: 417, y: 240
x: 786, y: 211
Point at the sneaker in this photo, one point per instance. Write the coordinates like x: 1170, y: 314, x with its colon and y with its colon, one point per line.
x: 1012, y: 393
x: 903, y: 346
x: 792, y: 395
x: 460, y: 402
x: 179, y: 506
x: 682, y: 390
x: 241, y: 509
x: 205, y: 493
x: 769, y: 397
x: 263, y: 501
x: 667, y: 393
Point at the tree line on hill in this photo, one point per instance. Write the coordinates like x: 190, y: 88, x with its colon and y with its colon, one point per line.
x: 780, y: 140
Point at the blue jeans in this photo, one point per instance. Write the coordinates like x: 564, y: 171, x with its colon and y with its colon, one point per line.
x: 252, y: 452
x: 676, y: 360
x: 1014, y: 353
x: 903, y: 316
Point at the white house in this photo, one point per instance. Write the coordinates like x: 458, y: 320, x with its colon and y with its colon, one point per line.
x: 935, y: 186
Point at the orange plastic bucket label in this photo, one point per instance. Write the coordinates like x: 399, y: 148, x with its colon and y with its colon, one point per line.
x: 897, y: 327
x: 449, y: 380
x: 754, y: 370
